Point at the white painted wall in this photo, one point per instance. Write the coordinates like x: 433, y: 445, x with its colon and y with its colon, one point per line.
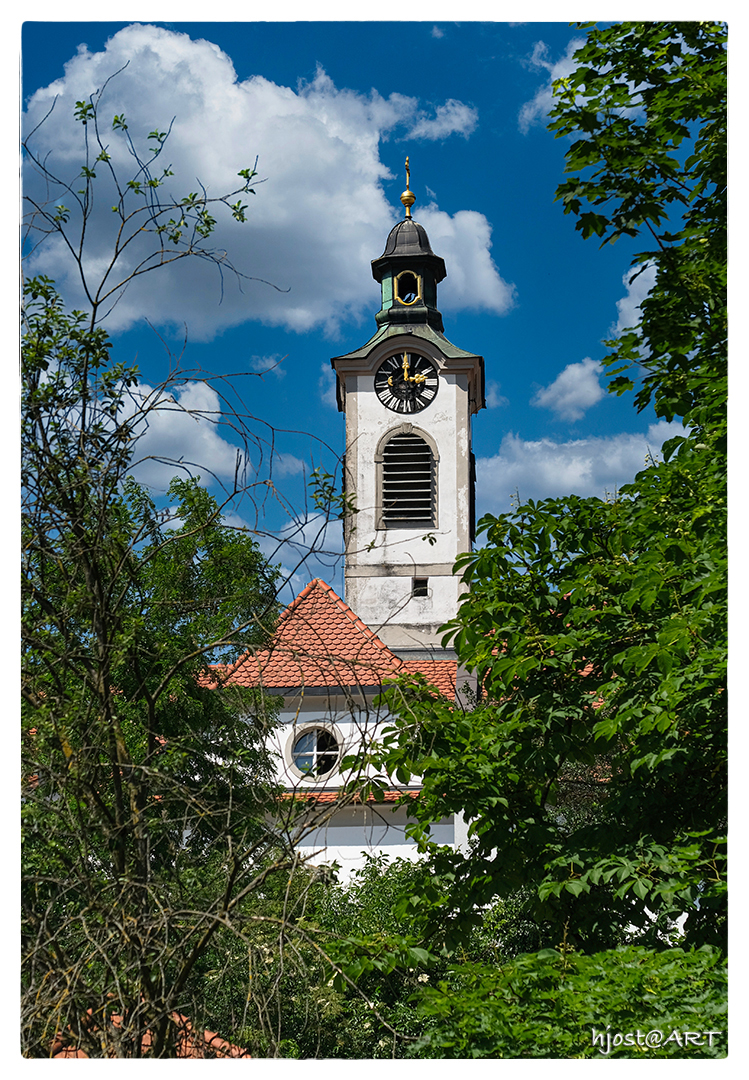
x: 380, y: 563
x: 354, y: 832
x: 343, y: 834
x: 354, y: 723
x: 437, y: 420
x: 404, y: 621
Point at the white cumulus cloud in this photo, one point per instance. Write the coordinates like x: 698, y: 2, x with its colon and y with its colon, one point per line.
x: 464, y: 241
x: 494, y: 399
x: 537, y: 109
x: 326, y: 386
x: 544, y: 468
x: 268, y: 365
x: 573, y: 391
x: 638, y: 281
x: 178, y: 434
x: 287, y: 464
x: 452, y: 118
x: 319, y: 218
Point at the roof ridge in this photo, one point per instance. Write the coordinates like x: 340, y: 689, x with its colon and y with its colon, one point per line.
x: 272, y: 645
x: 357, y: 621
x: 305, y: 592
x: 319, y: 621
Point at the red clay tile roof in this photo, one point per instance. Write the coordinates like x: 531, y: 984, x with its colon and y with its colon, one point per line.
x: 190, y: 1044
x: 317, y: 796
x: 440, y: 673
x: 321, y: 642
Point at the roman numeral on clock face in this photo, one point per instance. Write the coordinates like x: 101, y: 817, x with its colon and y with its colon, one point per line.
x: 406, y: 382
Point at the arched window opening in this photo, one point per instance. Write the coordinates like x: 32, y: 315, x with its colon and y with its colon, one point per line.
x: 408, y: 288
x: 407, y: 482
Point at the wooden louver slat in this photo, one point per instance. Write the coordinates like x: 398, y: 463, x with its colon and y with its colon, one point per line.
x: 408, y: 481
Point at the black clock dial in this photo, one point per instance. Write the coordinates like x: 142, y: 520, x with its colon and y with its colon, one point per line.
x: 406, y: 382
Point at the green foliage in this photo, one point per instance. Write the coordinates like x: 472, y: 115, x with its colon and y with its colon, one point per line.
x: 554, y: 1004
x: 378, y: 964
x: 352, y: 982
x: 147, y: 785
x: 593, y: 769
x: 263, y: 980
x: 648, y: 102
x: 331, y: 968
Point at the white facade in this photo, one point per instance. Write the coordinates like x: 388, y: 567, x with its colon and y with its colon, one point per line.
x: 382, y: 561
x: 343, y: 831
x: 348, y: 835
x: 414, y: 516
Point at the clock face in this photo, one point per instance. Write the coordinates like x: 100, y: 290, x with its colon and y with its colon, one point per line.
x: 406, y: 382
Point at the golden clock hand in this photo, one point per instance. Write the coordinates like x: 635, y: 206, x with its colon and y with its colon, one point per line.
x: 415, y: 380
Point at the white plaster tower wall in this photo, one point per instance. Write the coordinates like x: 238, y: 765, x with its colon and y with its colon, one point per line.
x: 382, y: 562
x: 398, y: 574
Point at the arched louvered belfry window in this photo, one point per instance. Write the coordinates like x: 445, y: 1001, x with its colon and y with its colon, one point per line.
x: 408, y: 482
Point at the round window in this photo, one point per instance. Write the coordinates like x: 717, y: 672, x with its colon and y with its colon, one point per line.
x: 315, y: 752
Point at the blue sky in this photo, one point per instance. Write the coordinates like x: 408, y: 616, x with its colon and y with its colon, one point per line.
x: 331, y: 109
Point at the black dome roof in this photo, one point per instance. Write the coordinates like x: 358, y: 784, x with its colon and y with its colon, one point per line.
x: 407, y: 238
x: 408, y: 241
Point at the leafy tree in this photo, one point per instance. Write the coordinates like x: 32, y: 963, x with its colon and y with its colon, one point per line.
x: 155, y: 847
x: 556, y: 1004
x: 366, y: 993
x: 150, y: 803
x: 146, y: 789
x: 333, y: 967
x: 593, y: 769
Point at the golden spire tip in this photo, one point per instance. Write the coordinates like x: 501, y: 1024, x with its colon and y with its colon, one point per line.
x: 408, y: 198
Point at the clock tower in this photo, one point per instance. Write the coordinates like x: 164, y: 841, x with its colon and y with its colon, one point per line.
x: 409, y: 396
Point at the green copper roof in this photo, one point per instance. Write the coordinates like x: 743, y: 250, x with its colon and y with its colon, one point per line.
x: 416, y: 330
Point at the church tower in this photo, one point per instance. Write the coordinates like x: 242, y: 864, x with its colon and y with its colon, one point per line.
x: 409, y: 396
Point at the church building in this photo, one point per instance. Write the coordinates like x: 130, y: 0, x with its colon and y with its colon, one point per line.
x: 408, y: 396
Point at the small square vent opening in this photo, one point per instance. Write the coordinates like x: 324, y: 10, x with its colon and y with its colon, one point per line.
x: 420, y: 586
